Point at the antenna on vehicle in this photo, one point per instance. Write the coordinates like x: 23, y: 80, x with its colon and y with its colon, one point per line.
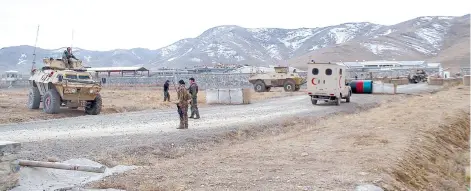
x: 34, y: 51
x: 72, y: 39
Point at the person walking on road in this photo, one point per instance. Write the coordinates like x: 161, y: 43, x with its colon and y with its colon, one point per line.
x: 193, y: 89
x: 182, y: 104
x: 166, y: 94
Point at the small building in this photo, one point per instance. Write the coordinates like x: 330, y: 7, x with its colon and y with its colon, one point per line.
x: 135, y: 71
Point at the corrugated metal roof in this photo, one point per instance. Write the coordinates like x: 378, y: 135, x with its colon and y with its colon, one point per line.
x: 105, y: 69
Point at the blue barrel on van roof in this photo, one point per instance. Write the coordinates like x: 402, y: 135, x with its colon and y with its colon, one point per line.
x: 361, y: 86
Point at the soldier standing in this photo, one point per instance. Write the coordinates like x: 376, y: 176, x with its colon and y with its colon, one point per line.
x: 182, y: 103
x: 166, y: 94
x: 193, y: 89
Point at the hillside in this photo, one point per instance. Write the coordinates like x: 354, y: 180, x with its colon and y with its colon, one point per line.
x: 438, y: 39
x: 444, y: 39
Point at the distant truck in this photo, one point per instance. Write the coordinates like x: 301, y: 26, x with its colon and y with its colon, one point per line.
x: 327, y: 82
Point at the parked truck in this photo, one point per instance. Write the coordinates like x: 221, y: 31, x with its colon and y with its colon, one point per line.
x: 327, y: 82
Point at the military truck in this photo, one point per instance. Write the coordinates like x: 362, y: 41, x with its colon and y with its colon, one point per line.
x: 59, y: 85
x: 327, y: 83
x: 417, y: 76
x: 282, y: 77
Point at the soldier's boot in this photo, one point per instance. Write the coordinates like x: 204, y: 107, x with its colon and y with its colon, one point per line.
x: 197, y: 112
x: 182, y: 126
x: 192, y: 113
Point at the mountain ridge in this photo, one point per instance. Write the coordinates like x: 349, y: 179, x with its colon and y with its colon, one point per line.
x: 422, y: 38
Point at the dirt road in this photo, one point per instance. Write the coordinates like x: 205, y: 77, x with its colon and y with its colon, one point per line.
x: 335, y: 154
x: 85, y: 136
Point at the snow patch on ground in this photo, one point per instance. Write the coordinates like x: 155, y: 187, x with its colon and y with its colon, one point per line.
x: 138, y: 57
x: 341, y: 35
x: 432, y: 36
x: 273, y: 51
x: 378, y: 48
x: 295, y: 39
x: 315, y: 47
x: 167, y: 50
x: 196, y: 60
x: 22, y: 60
x: 87, y: 58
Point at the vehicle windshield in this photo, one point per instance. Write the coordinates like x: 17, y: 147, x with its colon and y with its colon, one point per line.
x: 82, y: 77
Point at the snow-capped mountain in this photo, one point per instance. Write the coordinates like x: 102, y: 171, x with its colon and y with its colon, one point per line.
x: 424, y: 38
x: 420, y: 38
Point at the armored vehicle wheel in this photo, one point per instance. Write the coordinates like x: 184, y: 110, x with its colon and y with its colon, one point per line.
x: 94, y: 107
x: 51, y: 102
x: 259, y: 86
x: 34, y: 98
x: 289, y: 86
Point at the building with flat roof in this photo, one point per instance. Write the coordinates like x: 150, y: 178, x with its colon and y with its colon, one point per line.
x: 133, y: 70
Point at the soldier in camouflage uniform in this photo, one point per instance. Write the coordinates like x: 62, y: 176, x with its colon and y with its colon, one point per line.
x: 193, y: 89
x: 67, y: 57
x: 183, y: 97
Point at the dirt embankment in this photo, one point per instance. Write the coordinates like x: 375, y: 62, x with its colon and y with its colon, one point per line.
x: 338, y: 153
x: 115, y: 100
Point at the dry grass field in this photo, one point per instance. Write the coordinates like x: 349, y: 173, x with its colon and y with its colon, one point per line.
x: 115, y: 100
x: 392, y: 146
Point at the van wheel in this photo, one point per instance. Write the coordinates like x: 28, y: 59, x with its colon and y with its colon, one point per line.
x: 259, y: 86
x: 289, y: 86
x: 314, y: 102
x: 348, y: 98
x: 338, y: 101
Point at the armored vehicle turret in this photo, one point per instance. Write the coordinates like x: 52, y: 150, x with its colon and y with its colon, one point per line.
x: 58, y: 84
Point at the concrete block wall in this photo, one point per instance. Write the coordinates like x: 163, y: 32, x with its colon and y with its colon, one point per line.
x: 228, y: 96
x: 204, y: 81
x: 9, y: 171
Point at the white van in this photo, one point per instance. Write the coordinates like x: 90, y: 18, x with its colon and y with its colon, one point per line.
x: 327, y: 82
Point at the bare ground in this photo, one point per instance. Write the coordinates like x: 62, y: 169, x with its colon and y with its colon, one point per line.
x: 115, y: 100
x: 334, y: 154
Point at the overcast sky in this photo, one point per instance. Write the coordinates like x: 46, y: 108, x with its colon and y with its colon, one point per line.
x: 107, y: 24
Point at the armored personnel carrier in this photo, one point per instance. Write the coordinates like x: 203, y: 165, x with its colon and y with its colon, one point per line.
x: 59, y: 85
x: 417, y: 76
x: 282, y: 77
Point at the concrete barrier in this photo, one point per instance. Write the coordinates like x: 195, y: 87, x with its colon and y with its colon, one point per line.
x: 452, y: 81
x: 228, y: 96
x: 435, y: 81
x: 401, y: 81
x: 9, y: 171
x: 380, y: 87
x: 466, y: 80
